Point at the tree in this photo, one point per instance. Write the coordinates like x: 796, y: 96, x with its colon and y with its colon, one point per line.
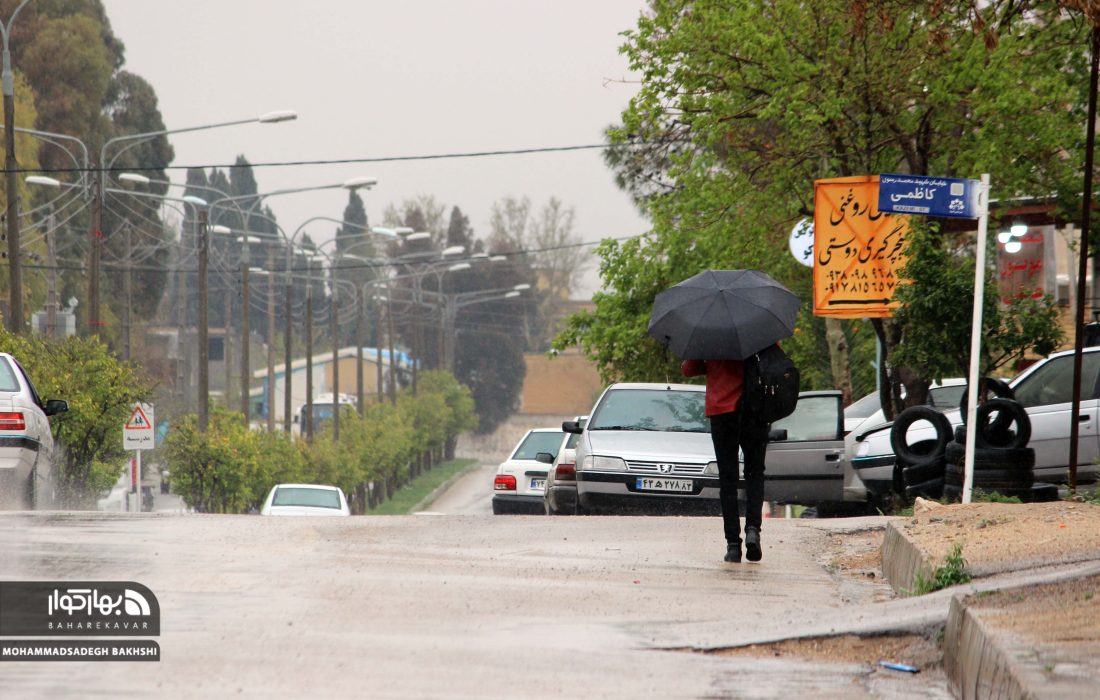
x: 100, y: 390
x: 743, y: 105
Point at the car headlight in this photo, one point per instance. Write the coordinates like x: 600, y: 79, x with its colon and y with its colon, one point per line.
x: 863, y: 449
x: 603, y: 464
x: 712, y: 469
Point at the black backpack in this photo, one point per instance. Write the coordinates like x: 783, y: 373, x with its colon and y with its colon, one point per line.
x: 771, y: 385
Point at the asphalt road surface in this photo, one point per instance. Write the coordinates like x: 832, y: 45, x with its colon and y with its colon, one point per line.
x: 448, y: 606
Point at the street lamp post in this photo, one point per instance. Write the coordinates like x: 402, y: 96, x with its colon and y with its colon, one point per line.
x: 11, y: 166
x: 246, y: 370
x: 104, y: 166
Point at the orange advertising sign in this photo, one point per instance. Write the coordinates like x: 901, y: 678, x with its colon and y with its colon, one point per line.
x: 858, y: 250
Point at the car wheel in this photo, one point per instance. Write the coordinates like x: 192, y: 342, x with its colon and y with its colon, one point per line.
x: 925, y: 450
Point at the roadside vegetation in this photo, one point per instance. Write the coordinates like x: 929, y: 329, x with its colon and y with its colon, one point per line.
x: 230, y: 468
x: 410, y: 496
x: 952, y: 573
x: 100, y: 389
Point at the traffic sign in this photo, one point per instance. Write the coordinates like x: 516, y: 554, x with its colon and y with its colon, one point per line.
x: 138, y: 433
x: 949, y: 197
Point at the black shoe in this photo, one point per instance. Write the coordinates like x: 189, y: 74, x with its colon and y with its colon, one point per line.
x: 733, y: 553
x: 752, y: 544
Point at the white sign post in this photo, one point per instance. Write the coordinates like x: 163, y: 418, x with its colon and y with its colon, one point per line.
x: 139, y: 433
x: 963, y: 199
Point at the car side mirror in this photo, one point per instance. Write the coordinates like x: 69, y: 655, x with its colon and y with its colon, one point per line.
x: 572, y: 426
x: 777, y: 435
x: 55, y: 406
x: 544, y: 457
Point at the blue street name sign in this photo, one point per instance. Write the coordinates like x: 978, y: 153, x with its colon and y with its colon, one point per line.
x: 930, y: 196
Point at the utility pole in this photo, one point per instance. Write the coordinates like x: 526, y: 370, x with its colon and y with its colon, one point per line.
x: 288, y: 406
x: 393, y: 360
x: 307, y: 416
x: 246, y: 370
x: 127, y: 292
x: 359, y: 312
x: 271, y: 338
x: 378, y: 350
x: 11, y: 167
x: 204, y: 349
x: 51, y: 278
x: 334, y: 325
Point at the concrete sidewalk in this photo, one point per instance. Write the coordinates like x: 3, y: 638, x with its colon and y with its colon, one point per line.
x: 1028, y: 625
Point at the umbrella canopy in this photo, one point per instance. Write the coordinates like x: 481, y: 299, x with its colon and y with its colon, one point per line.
x: 723, y: 315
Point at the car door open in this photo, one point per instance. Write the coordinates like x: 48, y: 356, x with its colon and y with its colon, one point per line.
x: 806, y: 467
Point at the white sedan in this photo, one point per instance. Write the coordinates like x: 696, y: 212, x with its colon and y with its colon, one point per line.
x: 1045, y: 390
x: 305, y: 499
x: 26, y: 443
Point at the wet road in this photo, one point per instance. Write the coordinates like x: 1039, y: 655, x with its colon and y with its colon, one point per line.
x: 452, y: 606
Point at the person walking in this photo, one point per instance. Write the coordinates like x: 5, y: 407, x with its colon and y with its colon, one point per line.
x: 730, y: 429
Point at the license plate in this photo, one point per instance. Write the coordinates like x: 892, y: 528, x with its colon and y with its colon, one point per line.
x: 651, y: 484
x: 538, y: 484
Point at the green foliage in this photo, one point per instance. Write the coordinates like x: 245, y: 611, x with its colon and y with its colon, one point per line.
x: 952, y: 573
x: 743, y: 105
x: 980, y: 496
x: 936, y: 312
x: 100, y: 390
x: 410, y: 496
x: 230, y: 468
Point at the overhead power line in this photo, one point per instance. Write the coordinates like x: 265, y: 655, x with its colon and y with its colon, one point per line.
x: 335, y: 161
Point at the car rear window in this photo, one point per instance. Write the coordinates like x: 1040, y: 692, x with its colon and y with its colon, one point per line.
x: 318, y: 498
x: 651, y: 409
x: 8, y: 382
x: 538, y: 442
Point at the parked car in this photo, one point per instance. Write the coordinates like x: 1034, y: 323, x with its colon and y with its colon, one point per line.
x: 323, y: 408
x: 305, y: 499
x: 560, y: 494
x: 26, y: 443
x: 648, y: 446
x: 520, y: 479
x: 1045, y: 390
x: 867, y: 411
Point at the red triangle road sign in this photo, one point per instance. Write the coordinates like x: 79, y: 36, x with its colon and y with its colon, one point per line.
x: 138, y: 420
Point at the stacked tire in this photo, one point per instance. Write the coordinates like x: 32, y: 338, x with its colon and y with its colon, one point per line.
x: 1003, y: 463
x: 921, y: 467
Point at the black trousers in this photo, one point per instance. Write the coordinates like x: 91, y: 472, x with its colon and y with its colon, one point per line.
x: 729, y: 431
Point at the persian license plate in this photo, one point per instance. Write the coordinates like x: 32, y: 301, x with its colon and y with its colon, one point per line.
x: 538, y: 484
x: 655, y: 484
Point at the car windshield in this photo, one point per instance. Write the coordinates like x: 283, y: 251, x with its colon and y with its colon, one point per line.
x: 300, y: 496
x: 538, y: 442
x: 945, y: 398
x: 667, y: 410
x: 8, y: 382
x: 864, y: 407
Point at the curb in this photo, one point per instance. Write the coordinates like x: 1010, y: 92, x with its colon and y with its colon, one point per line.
x: 438, y: 490
x: 980, y: 660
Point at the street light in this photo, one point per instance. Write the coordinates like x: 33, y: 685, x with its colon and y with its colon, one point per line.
x: 246, y: 369
x: 104, y: 166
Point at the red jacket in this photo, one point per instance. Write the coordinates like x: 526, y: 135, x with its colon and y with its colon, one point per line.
x: 725, y: 382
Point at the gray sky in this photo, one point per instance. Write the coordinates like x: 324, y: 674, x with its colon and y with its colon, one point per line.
x: 382, y: 79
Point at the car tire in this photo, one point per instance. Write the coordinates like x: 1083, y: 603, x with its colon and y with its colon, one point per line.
x: 1014, y: 458
x: 906, y: 454
x: 998, y: 387
x: 920, y: 473
x: 1008, y: 412
x: 933, y: 488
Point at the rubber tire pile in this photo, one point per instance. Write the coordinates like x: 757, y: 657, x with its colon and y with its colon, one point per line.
x: 1002, y: 460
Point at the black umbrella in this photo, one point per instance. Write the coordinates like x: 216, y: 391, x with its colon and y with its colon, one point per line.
x: 723, y: 315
